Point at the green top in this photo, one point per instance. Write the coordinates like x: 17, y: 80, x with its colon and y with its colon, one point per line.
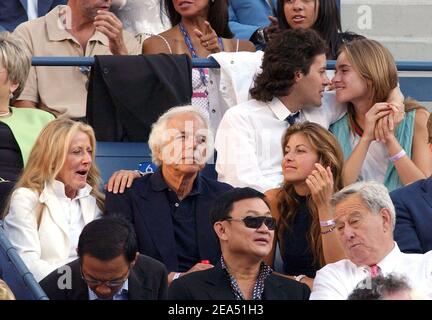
x: 26, y: 124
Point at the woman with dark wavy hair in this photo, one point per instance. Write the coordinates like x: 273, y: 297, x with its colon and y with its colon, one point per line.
x: 321, y: 15
x: 200, y: 28
x: 312, y: 169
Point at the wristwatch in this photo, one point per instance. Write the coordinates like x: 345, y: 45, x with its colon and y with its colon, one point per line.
x: 299, y: 277
x: 259, y: 36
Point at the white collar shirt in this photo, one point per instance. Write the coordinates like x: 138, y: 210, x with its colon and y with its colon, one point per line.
x: 72, y: 212
x: 121, y: 294
x: 337, y: 280
x: 248, y: 140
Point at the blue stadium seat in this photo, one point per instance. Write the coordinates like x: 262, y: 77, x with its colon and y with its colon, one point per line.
x: 419, y: 88
x: 15, y: 273
x: 113, y: 156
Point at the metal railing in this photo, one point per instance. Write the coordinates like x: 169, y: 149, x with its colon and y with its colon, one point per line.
x: 207, y: 63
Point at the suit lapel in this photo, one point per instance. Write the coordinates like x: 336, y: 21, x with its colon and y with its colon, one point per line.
x: 271, y: 289
x: 218, y: 284
x: 427, y: 190
x: 136, y: 290
x: 54, y: 209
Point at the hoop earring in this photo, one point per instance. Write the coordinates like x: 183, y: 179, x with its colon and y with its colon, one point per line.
x: 11, y: 96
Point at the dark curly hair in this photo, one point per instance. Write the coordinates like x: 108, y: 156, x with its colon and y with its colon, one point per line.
x: 217, y: 16
x: 288, y: 52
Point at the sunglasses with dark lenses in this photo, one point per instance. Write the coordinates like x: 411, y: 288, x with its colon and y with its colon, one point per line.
x: 256, y: 222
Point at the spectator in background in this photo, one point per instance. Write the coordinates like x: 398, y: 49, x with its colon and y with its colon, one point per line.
x: 19, y: 128
x: 312, y: 170
x: 375, y: 148
x: 365, y: 219
x: 82, y: 28
x: 253, y: 20
x: 413, y: 205
x: 109, y: 267
x: 142, y: 18
x: 199, y: 29
x: 5, y: 291
x: 14, y: 12
x: 169, y: 208
x: 391, y: 287
x: 242, y: 221
x: 55, y: 197
x: 321, y: 15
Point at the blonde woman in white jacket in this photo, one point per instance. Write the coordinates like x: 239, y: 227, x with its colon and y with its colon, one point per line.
x: 56, y: 196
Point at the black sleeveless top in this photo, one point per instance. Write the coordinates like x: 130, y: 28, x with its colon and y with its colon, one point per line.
x: 295, y: 252
x: 11, y: 162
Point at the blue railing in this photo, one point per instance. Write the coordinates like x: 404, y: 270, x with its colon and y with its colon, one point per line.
x: 207, y: 63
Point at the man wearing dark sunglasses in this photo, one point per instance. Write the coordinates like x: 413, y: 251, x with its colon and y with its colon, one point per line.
x: 109, y: 267
x: 242, y: 221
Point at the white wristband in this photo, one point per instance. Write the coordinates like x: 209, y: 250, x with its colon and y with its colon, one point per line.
x: 176, y: 275
x: 299, y: 277
x: 327, y: 223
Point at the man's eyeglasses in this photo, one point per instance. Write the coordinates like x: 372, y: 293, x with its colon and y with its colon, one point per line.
x: 109, y: 283
x: 256, y: 222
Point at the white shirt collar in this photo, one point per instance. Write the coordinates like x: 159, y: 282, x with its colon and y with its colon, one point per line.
x: 59, y: 190
x: 279, y: 109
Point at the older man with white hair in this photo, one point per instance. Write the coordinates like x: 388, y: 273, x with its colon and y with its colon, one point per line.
x: 170, y: 208
x: 364, y: 220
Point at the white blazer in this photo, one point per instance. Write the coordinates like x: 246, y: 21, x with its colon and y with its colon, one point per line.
x: 46, y: 248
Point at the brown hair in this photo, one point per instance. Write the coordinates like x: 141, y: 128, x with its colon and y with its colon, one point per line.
x: 329, y: 154
x: 429, y: 128
x: 287, y: 53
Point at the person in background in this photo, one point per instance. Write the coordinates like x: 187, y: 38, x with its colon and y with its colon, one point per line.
x: 141, y: 18
x: 365, y: 218
x: 312, y: 169
x: 19, y: 128
x: 321, y: 15
x: 413, y: 204
x: 253, y: 20
x: 375, y: 148
x: 109, y: 267
x: 83, y: 28
x: 14, y: 12
x: 200, y: 28
x: 391, y: 287
x: 242, y: 221
x: 169, y: 208
x: 55, y: 197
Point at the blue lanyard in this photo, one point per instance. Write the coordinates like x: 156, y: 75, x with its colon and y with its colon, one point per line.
x: 193, y: 53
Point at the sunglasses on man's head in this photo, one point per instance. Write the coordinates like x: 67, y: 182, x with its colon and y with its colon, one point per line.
x: 256, y: 222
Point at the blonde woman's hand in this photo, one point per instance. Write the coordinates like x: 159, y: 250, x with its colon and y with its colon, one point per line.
x: 378, y: 110
x: 120, y: 180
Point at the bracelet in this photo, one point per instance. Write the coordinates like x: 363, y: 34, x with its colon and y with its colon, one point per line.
x: 327, y: 223
x: 397, y: 156
x: 176, y: 275
x: 299, y: 277
x: 329, y: 230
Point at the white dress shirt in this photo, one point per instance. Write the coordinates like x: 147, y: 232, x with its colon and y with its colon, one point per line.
x: 337, y: 280
x: 248, y: 140
x: 72, y: 211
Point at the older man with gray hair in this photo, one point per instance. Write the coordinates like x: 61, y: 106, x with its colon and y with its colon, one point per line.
x: 364, y: 219
x: 170, y: 208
